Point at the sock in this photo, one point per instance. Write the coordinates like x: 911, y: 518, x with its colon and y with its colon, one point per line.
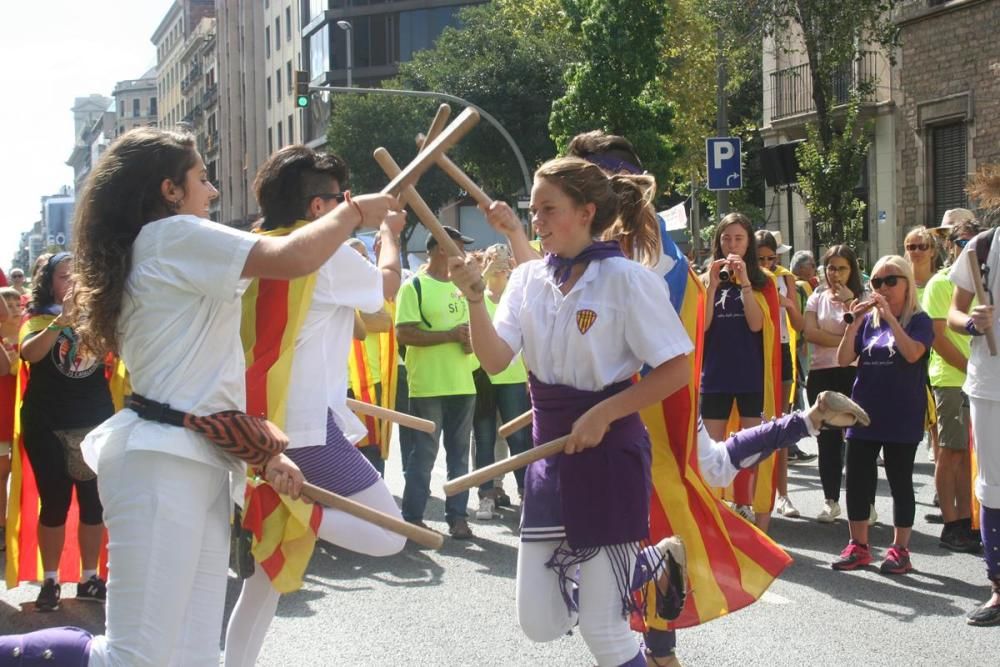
x: 87, y: 574
x: 53, y: 575
x: 989, y: 526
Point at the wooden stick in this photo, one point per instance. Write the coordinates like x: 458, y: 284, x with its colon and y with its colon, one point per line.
x: 422, y: 536
x: 377, y: 411
x: 439, y: 122
x: 501, y: 468
x: 410, y: 197
x: 448, y: 138
x: 977, y: 280
x: 460, y: 177
x: 515, y: 424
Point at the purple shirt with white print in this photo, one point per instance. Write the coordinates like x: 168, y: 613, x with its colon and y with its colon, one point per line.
x: 734, y: 355
x: 892, y: 390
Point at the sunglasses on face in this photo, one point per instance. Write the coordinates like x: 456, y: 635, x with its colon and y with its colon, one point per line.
x: 922, y: 247
x: 330, y: 196
x: 961, y: 243
x: 888, y: 281
x: 767, y: 260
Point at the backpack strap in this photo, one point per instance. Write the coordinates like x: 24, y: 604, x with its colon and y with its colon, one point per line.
x: 420, y: 300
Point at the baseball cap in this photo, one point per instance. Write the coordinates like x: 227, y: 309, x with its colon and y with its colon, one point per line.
x: 453, y: 233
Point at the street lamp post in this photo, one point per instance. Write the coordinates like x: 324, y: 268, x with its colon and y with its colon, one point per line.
x: 349, y: 29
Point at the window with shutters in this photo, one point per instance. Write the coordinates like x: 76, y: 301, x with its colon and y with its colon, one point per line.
x: 949, y: 168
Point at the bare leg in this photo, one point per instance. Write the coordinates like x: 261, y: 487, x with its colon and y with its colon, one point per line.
x: 90, y: 538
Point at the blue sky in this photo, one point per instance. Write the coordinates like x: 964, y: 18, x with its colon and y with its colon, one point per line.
x: 53, y: 51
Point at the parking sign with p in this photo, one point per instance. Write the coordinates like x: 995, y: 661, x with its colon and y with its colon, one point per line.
x: 725, y: 164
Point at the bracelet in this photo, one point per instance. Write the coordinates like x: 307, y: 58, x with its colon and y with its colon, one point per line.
x: 746, y: 287
x: 970, y: 326
x: 471, y: 301
x: 54, y: 327
x: 357, y: 207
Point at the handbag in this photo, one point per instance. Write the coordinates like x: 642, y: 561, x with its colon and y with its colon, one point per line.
x: 254, y: 440
x: 70, y: 439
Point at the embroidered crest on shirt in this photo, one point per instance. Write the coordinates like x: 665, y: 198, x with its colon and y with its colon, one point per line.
x: 585, y: 319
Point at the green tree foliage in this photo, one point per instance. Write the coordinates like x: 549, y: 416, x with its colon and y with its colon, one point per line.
x: 833, y: 36
x: 507, y: 57
x: 617, y: 85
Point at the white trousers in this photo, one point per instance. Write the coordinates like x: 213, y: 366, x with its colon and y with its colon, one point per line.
x: 542, y: 612
x: 168, y: 527
x: 986, y: 429
x: 258, y: 600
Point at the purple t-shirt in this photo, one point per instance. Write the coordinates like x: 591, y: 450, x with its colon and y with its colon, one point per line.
x: 892, y: 390
x: 734, y: 355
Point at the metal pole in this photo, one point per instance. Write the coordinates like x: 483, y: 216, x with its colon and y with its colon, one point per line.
x: 526, y: 175
x: 721, y: 119
x: 695, y: 222
x: 350, y: 57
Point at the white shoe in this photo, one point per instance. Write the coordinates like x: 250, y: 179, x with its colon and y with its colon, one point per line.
x: 830, y: 513
x: 872, y: 517
x: 745, y: 511
x: 486, y: 509
x: 786, y: 508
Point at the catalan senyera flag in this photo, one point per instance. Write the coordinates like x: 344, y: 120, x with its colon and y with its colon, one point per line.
x: 730, y: 563
x: 362, y: 384
x: 24, y: 560
x: 273, y: 314
x: 284, y: 533
x: 756, y: 486
x: 389, y: 364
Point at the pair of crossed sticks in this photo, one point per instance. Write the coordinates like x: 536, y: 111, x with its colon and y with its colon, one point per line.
x: 432, y: 147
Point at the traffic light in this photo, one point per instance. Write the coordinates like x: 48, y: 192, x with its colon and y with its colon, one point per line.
x: 301, y: 88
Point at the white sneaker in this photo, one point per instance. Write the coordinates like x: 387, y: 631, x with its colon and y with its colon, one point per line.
x: 745, y: 511
x: 830, y: 513
x: 786, y: 508
x: 872, y: 517
x: 486, y: 509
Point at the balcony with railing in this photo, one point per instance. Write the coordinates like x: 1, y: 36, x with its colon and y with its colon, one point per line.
x: 791, y: 87
x: 210, y: 96
x: 192, y: 77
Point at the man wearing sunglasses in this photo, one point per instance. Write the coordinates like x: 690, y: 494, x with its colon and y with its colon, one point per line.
x: 982, y: 384
x: 946, y: 371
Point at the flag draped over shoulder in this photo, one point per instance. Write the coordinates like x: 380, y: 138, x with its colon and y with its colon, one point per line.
x: 730, y: 563
x: 362, y: 383
x: 273, y: 314
x: 756, y: 486
x: 24, y: 560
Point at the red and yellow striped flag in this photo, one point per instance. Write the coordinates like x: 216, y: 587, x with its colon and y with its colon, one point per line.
x: 24, y: 560
x: 389, y: 365
x: 359, y: 372
x: 273, y: 314
x: 730, y: 563
x: 284, y: 533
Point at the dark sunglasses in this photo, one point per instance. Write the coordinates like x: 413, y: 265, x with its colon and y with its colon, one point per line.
x: 330, y: 196
x: 961, y: 243
x: 917, y: 246
x: 889, y: 281
x: 769, y: 260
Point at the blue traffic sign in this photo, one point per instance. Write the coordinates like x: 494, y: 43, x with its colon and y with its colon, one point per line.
x: 725, y: 164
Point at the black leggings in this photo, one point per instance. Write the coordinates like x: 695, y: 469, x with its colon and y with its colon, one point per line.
x: 830, y: 440
x: 862, y: 477
x: 55, y: 486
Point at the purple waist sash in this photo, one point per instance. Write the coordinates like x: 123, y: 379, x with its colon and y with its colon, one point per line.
x: 600, y: 495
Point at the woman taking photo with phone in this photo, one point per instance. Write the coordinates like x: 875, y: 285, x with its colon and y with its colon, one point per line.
x: 890, y: 338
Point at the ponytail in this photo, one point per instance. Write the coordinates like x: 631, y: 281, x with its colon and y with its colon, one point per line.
x: 636, y: 229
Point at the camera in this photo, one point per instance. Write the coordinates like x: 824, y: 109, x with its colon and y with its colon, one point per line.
x: 724, y: 274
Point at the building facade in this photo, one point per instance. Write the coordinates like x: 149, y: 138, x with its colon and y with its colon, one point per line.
x: 94, y: 129
x: 169, y: 39
x: 135, y: 102
x: 949, y: 103
x: 200, y: 95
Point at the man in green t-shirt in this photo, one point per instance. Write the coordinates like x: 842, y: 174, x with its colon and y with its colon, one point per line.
x: 946, y: 371
x: 432, y: 321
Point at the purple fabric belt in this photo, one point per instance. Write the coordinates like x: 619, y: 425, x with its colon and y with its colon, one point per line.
x: 337, y: 466
x: 600, y: 495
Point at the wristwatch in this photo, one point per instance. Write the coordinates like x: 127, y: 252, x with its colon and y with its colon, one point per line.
x: 970, y: 326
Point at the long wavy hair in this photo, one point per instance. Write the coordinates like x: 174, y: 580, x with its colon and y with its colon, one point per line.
x: 758, y: 279
x: 43, y: 295
x: 122, y: 194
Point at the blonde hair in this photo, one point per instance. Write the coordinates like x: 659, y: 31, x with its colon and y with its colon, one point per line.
x: 911, y: 305
x: 928, y: 237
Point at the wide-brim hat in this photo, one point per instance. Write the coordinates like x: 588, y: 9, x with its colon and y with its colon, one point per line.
x: 782, y: 248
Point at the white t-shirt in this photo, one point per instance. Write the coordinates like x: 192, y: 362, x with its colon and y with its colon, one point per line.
x: 319, y: 369
x: 180, y: 335
x: 616, y: 318
x: 830, y: 319
x: 982, y: 378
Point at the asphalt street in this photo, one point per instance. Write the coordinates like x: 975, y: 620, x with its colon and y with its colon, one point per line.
x: 456, y: 606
